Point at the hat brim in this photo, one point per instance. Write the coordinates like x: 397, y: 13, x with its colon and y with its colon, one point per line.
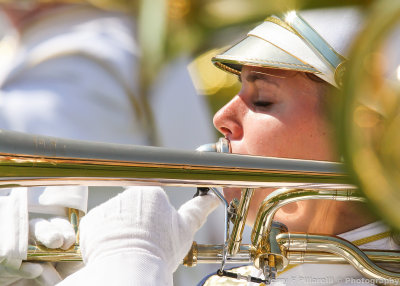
x: 254, y: 51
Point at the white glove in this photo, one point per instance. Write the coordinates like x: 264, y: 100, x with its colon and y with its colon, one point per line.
x: 14, y: 238
x: 138, y: 238
x: 13, y: 228
x: 9, y: 275
x: 55, y: 199
x: 56, y: 232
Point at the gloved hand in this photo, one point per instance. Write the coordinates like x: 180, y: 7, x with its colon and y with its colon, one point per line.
x: 15, y: 228
x: 27, y: 270
x: 14, y: 237
x: 138, y: 238
x: 56, y: 232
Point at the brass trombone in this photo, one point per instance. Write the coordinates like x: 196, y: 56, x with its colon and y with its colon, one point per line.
x: 31, y: 160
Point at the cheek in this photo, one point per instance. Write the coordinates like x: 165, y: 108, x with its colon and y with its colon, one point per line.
x: 311, y: 138
x: 299, y: 133
x: 266, y: 136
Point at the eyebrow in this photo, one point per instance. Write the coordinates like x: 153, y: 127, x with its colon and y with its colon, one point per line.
x: 256, y: 75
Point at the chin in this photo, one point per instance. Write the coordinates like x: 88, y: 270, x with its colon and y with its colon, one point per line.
x: 231, y: 193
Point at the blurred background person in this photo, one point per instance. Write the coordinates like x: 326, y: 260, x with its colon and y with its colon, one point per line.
x: 71, y: 70
x: 67, y: 71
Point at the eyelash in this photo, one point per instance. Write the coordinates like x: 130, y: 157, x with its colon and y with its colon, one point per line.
x: 263, y: 104
x: 259, y: 103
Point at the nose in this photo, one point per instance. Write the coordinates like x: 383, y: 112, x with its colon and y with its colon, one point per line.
x: 228, y: 120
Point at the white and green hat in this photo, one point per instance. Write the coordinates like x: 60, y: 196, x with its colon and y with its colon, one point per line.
x: 314, y: 41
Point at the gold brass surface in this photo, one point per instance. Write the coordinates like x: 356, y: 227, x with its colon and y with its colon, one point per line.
x: 242, y: 209
x: 340, y: 247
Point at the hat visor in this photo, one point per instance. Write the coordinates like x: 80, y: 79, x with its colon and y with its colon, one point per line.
x: 254, y: 51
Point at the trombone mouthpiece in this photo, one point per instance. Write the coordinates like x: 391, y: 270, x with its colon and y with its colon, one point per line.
x: 222, y: 146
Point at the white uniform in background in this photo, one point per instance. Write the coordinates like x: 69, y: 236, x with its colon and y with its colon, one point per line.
x: 70, y: 73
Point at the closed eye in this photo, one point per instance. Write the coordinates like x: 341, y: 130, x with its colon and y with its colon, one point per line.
x: 262, y: 103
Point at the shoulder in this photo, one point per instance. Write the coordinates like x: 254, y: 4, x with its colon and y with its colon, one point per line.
x: 73, y: 19
x: 102, y: 38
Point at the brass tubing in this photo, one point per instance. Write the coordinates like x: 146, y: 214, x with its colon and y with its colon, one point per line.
x: 213, y: 254
x: 235, y: 237
x: 300, y: 257
x: 207, y: 253
x: 41, y: 253
x: 200, y: 253
x: 281, y: 197
x: 340, y: 247
x: 31, y: 160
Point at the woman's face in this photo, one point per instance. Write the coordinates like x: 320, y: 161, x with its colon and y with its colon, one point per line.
x: 277, y: 114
